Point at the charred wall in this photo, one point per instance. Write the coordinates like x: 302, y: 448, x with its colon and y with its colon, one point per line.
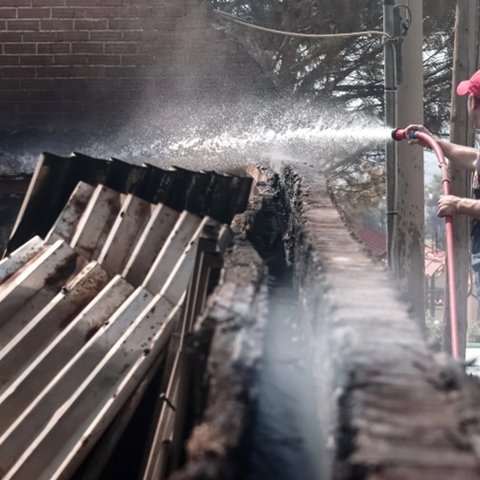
x: 74, y: 60
x: 231, y: 334
x: 387, y: 406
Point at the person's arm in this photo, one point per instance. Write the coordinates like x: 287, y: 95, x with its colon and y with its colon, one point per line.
x: 453, y: 205
x: 461, y: 156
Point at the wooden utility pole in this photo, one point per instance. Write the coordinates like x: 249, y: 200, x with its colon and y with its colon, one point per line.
x: 410, y: 242
x: 465, y: 62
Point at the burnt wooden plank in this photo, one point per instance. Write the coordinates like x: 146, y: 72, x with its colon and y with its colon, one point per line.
x: 55, y: 178
x: 233, y: 325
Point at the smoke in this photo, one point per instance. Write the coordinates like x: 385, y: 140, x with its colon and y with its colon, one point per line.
x: 286, y: 441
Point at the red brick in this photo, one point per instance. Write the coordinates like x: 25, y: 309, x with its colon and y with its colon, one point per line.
x: 90, y: 24
x: 68, y: 12
x: 133, y: 84
x: 161, y: 23
x: 133, y: 35
x: 72, y: 36
x: 101, y: 12
x: 137, y: 59
x: 118, y: 3
x: 81, y: 3
x: 54, y: 72
x: 8, y: 12
x: 10, y: 37
x: 15, y: 3
x: 106, y: 96
x: 45, y: 107
x: 124, y: 24
x: 127, y: 72
x: 38, y: 37
x: 56, y: 24
x: 9, y: 83
x: 154, y: 47
x: 71, y: 71
x: 47, y: 3
x: 38, y: 83
x: 34, y: 13
x: 71, y: 59
x: 140, y: 11
x: 94, y: 71
x: 104, y: 59
x: 102, y: 83
x: 145, y: 36
x: 108, y: 36
x: 90, y: 47
x: 56, y: 47
x: 45, y: 95
x: 24, y: 25
x: 133, y: 31
x: 18, y: 72
x: 9, y: 60
x: 36, y: 59
x: 75, y: 93
x: 12, y: 95
x: 20, y: 48
x: 121, y: 48
x: 94, y: 3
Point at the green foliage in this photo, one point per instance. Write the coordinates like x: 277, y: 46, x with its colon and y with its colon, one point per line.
x: 438, y: 26
x: 349, y: 70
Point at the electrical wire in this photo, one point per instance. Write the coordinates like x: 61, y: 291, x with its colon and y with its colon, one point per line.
x: 237, y: 20
x: 408, y: 20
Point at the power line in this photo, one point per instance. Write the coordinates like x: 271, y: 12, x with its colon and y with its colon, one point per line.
x: 235, y: 19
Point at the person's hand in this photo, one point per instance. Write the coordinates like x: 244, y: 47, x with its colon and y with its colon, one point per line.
x: 448, y: 205
x: 418, y: 128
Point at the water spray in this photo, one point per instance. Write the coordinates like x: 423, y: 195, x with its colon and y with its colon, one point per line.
x: 405, y: 134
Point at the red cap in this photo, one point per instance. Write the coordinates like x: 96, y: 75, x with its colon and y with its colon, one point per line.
x: 470, y: 86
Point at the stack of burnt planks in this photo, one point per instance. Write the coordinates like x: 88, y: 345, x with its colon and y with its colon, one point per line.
x: 91, y: 309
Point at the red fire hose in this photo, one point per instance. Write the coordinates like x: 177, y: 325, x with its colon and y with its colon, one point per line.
x: 401, y: 134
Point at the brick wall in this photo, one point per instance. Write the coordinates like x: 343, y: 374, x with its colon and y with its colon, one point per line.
x: 75, y: 60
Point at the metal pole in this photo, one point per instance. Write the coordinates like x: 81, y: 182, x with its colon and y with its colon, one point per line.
x: 390, y: 120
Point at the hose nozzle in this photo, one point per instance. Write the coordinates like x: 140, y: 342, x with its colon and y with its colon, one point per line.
x: 401, y: 134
